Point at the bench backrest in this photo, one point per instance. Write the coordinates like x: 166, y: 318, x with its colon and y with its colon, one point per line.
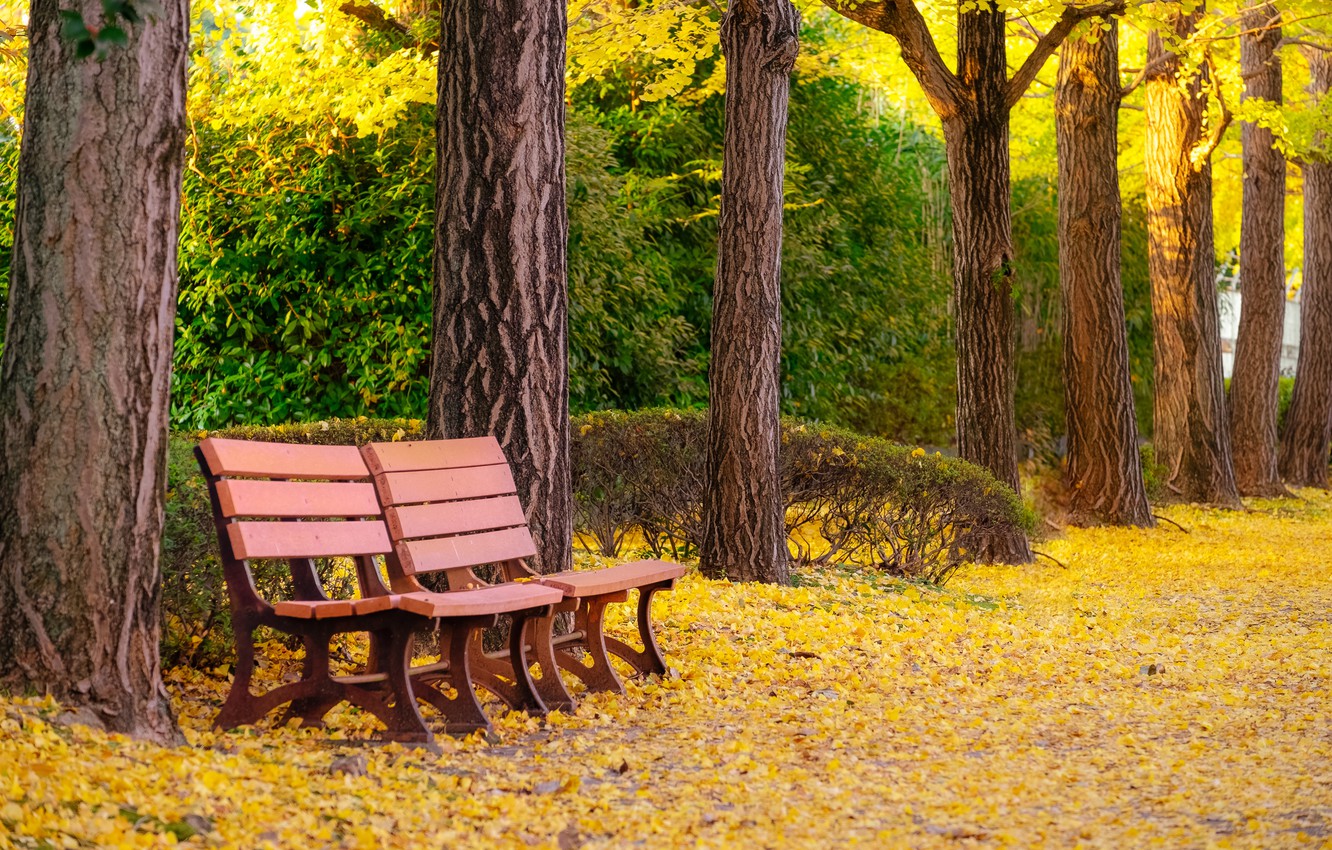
x: 451, y: 505
x: 259, y: 492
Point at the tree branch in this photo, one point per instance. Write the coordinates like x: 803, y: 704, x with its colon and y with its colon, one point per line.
x: 375, y: 18
x: 1144, y: 72
x: 904, y: 22
x: 1203, y: 152
x: 1071, y: 17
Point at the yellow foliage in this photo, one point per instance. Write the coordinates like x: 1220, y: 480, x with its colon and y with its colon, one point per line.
x: 1165, y: 689
x: 299, y: 67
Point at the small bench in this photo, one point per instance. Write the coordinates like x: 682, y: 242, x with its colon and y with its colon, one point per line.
x: 452, y: 506
x: 298, y: 503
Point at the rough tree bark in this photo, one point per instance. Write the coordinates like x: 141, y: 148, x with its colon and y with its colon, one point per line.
x: 744, y: 536
x: 1104, y: 472
x: 1192, y: 430
x: 1254, y: 380
x: 976, y: 142
x: 974, y: 105
x: 86, y: 369
x: 1307, y: 435
x: 500, y: 351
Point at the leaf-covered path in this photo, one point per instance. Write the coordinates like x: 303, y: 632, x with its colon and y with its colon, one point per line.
x: 1165, y: 689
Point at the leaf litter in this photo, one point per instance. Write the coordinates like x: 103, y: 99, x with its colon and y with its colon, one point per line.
x: 1166, y: 689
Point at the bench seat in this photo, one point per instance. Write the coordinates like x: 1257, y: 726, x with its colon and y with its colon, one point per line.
x: 614, y: 579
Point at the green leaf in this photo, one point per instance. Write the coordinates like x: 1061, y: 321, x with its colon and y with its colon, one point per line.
x: 72, y: 27
x: 113, y: 35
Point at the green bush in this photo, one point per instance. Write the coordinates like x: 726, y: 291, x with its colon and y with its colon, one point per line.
x: 1153, y: 473
x: 848, y: 497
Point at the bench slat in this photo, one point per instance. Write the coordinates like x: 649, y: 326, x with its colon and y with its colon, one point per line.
x: 495, y: 599
x: 248, y: 497
x: 433, y: 454
x: 321, y: 610
x: 308, y: 539
x: 439, y: 518
x: 401, y: 488
x: 282, y: 460
x: 612, y: 579
x: 471, y: 550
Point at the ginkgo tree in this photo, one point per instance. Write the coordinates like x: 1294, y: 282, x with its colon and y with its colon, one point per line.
x: 974, y: 100
x: 85, y: 372
x: 1103, y: 474
x: 1308, y: 431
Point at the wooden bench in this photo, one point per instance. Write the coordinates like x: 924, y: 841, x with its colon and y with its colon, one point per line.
x: 452, y: 506
x: 298, y: 503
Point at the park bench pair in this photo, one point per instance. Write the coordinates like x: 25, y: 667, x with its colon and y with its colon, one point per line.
x: 430, y: 507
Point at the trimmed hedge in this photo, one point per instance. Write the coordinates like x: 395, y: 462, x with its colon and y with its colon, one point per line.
x: 638, y: 485
x: 848, y: 497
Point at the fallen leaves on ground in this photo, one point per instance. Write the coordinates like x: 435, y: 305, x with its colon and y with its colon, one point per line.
x: 1163, y: 689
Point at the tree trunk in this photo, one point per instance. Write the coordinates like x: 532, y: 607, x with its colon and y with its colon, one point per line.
x: 1192, y: 434
x: 86, y: 370
x: 1104, y: 473
x: 500, y: 352
x: 1254, y: 381
x: 744, y: 537
x: 1308, y: 431
x: 976, y: 140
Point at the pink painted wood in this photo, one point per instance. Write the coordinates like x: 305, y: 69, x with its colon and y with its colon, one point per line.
x: 468, y: 550
x: 476, y: 482
x: 435, y: 455
x: 440, y: 518
x: 493, y: 599
x: 308, y: 539
x: 614, y: 579
x: 239, y: 497
x: 251, y: 459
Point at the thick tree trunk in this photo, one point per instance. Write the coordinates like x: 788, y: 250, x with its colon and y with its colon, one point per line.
x: 1254, y: 381
x: 500, y: 354
x: 1192, y: 433
x: 744, y: 537
x: 85, y: 375
x: 976, y: 140
x: 1308, y: 430
x: 1104, y: 473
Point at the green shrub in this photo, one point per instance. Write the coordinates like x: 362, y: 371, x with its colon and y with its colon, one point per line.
x: 848, y: 497
x: 1153, y: 473
x: 196, y: 627
x: 1285, y: 389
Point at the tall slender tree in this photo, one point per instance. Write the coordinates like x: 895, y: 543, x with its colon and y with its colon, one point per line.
x: 1307, y: 435
x: 1104, y: 472
x: 744, y: 535
x: 974, y: 106
x: 86, y: 369
x: 500, y: 354
x: 1192, y: 430
x: 1262, y: 266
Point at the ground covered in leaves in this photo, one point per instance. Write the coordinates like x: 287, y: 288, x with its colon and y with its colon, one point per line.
x: 1161, y: 688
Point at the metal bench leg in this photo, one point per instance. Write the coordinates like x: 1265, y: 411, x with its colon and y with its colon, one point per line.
x: 402, y: 718
x: 239, y: 707
x: 549, y: 691
x: 648, y: 660
x: 463, y: 712
x: 496, y: 675
x: 600, y: 676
